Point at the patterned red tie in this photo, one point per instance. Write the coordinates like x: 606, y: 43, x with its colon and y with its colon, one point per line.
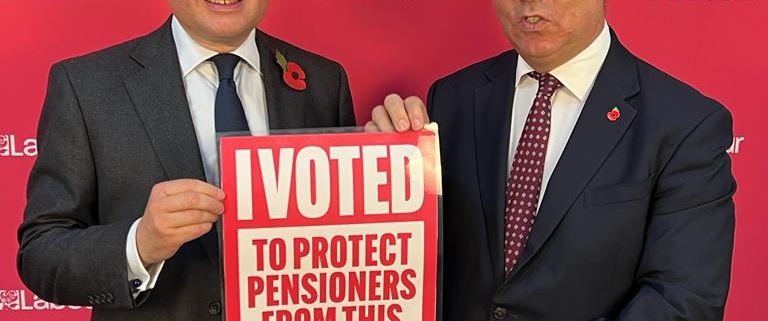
x: 524, y: 182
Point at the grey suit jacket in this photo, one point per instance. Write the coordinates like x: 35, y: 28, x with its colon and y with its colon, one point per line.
x: 115, y: 123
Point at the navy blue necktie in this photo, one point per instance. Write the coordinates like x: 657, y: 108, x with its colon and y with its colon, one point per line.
x: 229, y: 114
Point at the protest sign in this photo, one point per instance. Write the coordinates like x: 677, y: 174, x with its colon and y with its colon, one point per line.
x: 331, y: 226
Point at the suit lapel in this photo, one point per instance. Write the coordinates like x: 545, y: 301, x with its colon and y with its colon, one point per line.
x: 160, y: 100
x: 283, y: 105
x: 592, y: 140
x: 493, y: 114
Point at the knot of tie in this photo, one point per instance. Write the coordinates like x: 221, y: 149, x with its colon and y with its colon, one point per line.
x: 225, y: 65
x: 547, y: 83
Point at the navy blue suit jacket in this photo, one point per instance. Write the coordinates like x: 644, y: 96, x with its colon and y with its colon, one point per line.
x: 637, y: 220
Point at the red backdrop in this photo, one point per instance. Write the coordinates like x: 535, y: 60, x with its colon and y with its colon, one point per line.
x: 400, y: 46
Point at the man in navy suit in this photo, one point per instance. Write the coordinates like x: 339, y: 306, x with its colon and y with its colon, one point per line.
x: 580, y: 183
x: 122, y: 198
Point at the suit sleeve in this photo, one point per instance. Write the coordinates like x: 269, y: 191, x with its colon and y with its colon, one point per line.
x: 65, y: 255
x: 685, y: 266
x: 346, y: 107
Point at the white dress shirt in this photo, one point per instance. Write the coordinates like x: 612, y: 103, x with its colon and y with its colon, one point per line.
x: 200, y: 82
x: 577, y: 76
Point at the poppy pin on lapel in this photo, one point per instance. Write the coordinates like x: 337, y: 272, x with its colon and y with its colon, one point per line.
x: 614, y: 114
x: 293, y: 74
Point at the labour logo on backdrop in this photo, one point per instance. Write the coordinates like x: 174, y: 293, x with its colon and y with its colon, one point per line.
x: 9, y: 299
x: 735, y: 147
x: 21, y: 300
x: 12, y: 146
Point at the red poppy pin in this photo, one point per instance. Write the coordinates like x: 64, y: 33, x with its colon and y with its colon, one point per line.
x: 293, y: 74
x: 614, y: 114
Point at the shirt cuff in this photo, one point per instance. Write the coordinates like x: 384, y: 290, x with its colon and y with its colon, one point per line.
x: 140, y: 279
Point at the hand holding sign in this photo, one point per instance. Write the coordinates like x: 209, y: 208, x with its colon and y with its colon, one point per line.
x: 177, y: 212
x: 398, y: 114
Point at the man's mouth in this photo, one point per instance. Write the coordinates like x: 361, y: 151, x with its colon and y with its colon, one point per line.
x: 223, y: 2
x: 532, y: 19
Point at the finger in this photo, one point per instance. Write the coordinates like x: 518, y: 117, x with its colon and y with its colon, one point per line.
x: 370, y: 127
x: 155, y: 245
x: 190, y: 232
x: 380, y: 118
x: 187, y: 185
x: 417, y: 112
x: 396, y: 110
x: 189, y: 201
x: 182, y: 219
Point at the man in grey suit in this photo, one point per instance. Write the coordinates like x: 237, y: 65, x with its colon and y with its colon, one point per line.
x: 122, y: 200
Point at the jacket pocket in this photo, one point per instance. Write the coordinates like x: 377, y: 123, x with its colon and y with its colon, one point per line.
x: 617, y: 193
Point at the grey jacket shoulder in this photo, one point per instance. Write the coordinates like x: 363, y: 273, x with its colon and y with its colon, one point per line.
x: 293, y: 52
x: 115, y: 63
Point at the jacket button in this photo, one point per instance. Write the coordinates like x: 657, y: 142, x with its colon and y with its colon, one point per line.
x: 214, y: 308
x: 499, y: 313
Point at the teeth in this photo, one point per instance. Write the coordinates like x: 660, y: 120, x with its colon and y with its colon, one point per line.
x: 533, y: 19
x: 224, y: 2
